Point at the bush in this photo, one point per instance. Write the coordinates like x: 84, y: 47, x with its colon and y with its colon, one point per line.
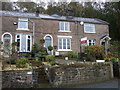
x: 113, y: 59
x: 12, y: 61
x: 96, y: 51
x: 22, y: 62
x: 50, y: 58
x: 71, y: 54
x: 53, y: 62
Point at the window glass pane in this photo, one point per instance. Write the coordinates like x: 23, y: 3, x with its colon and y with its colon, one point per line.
x: 23, y: 25
x: 68, y: 43
x: 28, y: 36
x: 18, y: 44
x: 28, y: 48
x: 66, y: 26
x: 64, y: 43
x: 90, y: 44
x: 60, y: 43
x: 18, y: 36
x: 6, y: 36
x: 89, y: 27
x: 23, y: 43
x: 47, y: 41
x: 61, y: 25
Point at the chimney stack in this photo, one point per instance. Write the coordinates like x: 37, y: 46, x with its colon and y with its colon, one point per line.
x: 70, y: 13
x: 37, y: 12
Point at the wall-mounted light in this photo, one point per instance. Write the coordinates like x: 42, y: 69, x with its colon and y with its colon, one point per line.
x: 15, y: 23
x: 81, y: 23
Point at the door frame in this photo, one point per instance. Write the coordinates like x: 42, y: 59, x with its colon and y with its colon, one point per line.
x: 51, y: 40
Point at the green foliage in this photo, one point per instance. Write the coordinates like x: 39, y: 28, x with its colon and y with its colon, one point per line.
x: 12, y: 61
x: 50, y: 58
x: 99, y: 10
x: 50, y: 48
x: 34, y: 48
x: 14, y: 43
x: 39, y: 54
x: 95, y: 51
x: 22, y: 62
x: 113, y: 59
x: 53, y: 62
x: 71, y: 54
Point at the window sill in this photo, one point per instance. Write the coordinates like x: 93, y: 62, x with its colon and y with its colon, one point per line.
x: 90, y: 32
x: 22, y: 29
x: 64, y: 50
x: 63, y: 31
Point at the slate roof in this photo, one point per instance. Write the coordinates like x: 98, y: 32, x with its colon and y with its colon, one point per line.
x: 54, y: 16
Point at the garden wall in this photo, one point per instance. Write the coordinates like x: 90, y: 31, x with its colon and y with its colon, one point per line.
x: 69, y: 75
x: 17, y: 79
x: 58, y: 76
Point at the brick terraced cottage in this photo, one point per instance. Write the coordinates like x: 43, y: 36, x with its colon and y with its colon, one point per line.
x: 64, y: 33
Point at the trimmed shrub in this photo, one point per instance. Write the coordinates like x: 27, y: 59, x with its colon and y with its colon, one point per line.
x: 71, y: 54
x: 53, y: 62
x: 22, y: 62
x: 50, y: 58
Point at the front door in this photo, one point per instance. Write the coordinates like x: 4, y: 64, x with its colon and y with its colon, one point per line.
x: 6, y: 44
x: 48, y: 42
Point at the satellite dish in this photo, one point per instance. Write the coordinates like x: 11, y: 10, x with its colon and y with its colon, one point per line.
x: 81, y: 23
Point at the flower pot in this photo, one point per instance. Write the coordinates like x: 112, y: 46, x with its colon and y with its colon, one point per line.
x: 36, y: 58
x: 66, y: 58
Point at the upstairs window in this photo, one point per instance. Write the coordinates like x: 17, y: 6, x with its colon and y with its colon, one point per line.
x: 89, y: 28
x: 64, y: 26
x: 23, y: 23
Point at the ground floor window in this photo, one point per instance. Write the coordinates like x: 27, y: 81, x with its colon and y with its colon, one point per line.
x: 64, y: 43
x: 91, y: 42
x: 24, y: 42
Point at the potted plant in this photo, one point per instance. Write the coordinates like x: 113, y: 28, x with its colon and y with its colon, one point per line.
x: 66, y: 56
x: 14, y: 44
x: 50, y: 48
x: 38, y: 55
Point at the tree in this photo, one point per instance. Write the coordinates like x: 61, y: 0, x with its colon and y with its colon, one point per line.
x: 7, y: 6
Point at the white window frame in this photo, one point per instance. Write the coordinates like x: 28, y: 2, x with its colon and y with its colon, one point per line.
x: 86, y: 25
x: 92, y: 42
x: 64, y: 37
x: 22, y: 20
x: 20, y: 49
x: 64, y: 30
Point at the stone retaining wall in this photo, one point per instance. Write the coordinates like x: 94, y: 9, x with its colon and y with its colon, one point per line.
x: 17, y: 79
x: 68, y: 75
x: 58, y: 76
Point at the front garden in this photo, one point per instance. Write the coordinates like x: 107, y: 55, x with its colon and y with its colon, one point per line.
x: 39, y: 57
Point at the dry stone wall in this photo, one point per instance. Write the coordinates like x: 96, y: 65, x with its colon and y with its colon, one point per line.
x: 69, y: 75
x: 58, y: 76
